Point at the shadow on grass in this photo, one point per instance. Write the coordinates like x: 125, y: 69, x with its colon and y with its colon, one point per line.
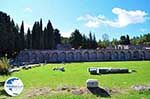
x: 2, y: 83
x: 3, y: 93
x: 133, y: 71
x: 99, y: 92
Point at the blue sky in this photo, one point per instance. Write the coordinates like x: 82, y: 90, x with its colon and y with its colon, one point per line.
x: 113, y: 17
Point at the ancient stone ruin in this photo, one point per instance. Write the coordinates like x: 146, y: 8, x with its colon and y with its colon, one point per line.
x: 96, y: 70
x: 48, y: 56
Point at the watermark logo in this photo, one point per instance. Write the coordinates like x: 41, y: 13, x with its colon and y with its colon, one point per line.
x: 13, y: 86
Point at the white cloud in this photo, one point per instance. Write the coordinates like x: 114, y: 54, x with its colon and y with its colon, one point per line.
x: 92, y: 21
x: 68, y: 33
x: 124, y: 18
x: 93, y: 24
x: 28, y: 10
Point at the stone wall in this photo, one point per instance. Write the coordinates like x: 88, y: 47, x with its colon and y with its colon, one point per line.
x: 38, y: 56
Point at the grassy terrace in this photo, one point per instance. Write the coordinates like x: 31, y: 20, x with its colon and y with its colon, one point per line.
x: 76, y: 75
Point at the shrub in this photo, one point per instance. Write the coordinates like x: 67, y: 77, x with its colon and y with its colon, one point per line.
x: 4, y: 66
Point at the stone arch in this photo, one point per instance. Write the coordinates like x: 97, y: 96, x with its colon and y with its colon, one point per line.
x: 40, y: 58
x: 70, y: 56
x: 108, y: 54
x: 143, y: 55
x: 50, y: 56
x: 116, y: 56
x: 136, y: 55
x: 62, y: 57
x: 25, y: 57
x: 78, y: 56
x: 33, y: 58
x: 46, y: 57
x: 129, y: 55
x: 93, y: 56
x: 54, y: 57
x: 86, y: 56
x: 122, y: 55
x: 101, y: 56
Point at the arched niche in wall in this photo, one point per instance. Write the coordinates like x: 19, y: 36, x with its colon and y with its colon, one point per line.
x: 41, y: 57
x: 54, y: 57
x: 46, y: 57
x: 78, y: 56
x: 86, y: 56
x: 50, y: 56
x: 70, y: 56
x: 116, y: 56
x: 108, y: 54
x: 93, y: 56
x: 25, y: 57
x: 62, y: 57
x: 129, y: 55
x: 33, y: 57
x: 143, y: 55
x: 122, y: 55
x: 101, y: 56
x: 136, y: 55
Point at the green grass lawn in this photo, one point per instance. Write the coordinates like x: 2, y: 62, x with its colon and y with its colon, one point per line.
x: 76, y: 75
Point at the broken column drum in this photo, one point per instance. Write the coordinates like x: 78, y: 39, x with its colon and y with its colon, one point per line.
x: 92, y: 83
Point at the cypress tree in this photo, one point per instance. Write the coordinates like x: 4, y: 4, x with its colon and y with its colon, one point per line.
x: 57, y: 37
x: 29, y: 39
x: 50, y: 36
x: 41, y: 35
x: 22, y: 38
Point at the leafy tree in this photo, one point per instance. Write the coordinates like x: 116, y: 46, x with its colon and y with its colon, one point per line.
x: 57, y: 37
x: 94, y: 44
x: 76, y: 39
x: 115, y: 42
x: 64, y: 40
x: 125, y: 40
x: 84, y: 42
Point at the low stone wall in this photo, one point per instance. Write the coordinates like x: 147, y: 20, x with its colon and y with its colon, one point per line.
x: 42, y: 56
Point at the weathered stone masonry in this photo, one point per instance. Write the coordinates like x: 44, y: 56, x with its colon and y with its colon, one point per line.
x: 38, y: 56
